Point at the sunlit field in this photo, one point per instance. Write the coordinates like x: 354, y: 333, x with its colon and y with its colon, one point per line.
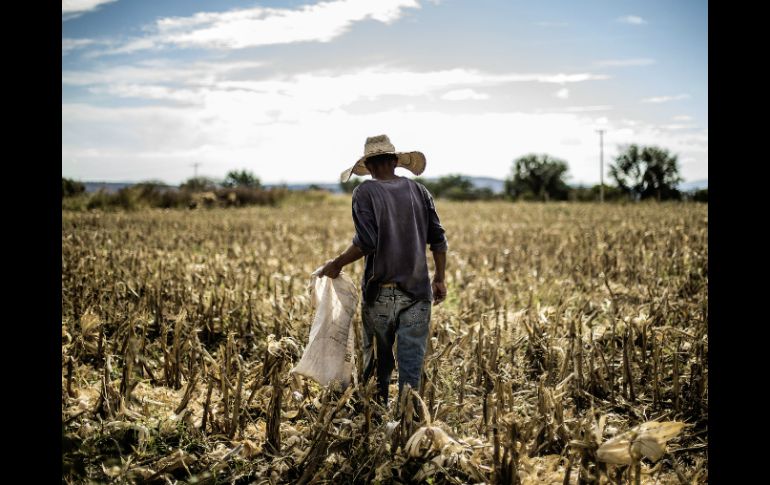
x: 566, y: 326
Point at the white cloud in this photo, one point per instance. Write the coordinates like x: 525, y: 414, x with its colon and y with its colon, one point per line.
x: 156, y: 71
x: 678, y: 126
x: 106, y: 143
x: 291, y: 97
x: 581, y: 109
x: 300, y: 127
x: 665, y: 99
x: 631, y: 19
x: 68, y: 45
x: 624, y: 62
x: 258, y: 26
x: 682, y: 118
x: 71, y: 9
x: 464, y: 94
x: 562, y: 93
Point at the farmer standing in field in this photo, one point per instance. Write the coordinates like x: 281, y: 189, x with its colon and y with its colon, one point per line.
x: 395, y: 219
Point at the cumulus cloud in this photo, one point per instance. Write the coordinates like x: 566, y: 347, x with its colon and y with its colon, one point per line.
x: 464, y: 94
x: 582, y: 109
x: 68, y: 45
x: 562, y: 93
x: 156, y: 71
x: 665, y: 99
x: 258, y: 26
x: 294, y: 95
x: 624, y: 62
x: 631, y: 20
x: 71, y: 9
x: 162, y: 142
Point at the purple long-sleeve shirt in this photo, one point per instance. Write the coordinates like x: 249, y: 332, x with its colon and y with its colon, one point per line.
x: 395, y: 220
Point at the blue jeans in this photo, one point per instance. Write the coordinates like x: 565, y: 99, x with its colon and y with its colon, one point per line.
x: 395, y: 317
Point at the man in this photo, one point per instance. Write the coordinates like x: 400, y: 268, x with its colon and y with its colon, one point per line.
x: 395, y: 219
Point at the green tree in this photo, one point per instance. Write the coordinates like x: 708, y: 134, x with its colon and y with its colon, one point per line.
x: 701, y: 195
x: 242, y: 178
x: 199, y: 184
x: 455, y: 187
x: 539, y: 177
x: 647, y: 172
x: 428, y: 185
x: 71, y: 187
x: 350, y: 185
x: 581, y: 193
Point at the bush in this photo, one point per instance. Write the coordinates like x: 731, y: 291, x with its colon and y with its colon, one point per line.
x: 71, y: 187
x: 159, y: 195
x: 591, y: 194
x: 174, y: 199
x: 456, y: 187
x: 199, y: 184
x: 701, y: 195
x: 351, y: 184
x: 244, y: 196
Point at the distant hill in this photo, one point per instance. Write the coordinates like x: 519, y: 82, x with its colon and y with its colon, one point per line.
x: 496, y: 185
x: 694, y: 185
x: 330, y: 187
x: 109, y: 187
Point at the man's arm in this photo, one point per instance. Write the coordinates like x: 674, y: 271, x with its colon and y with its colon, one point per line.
x: 364, y: 240
x: 333, y: 267
x: 438, y: 246
x: 439, y: 286
x: 436, y: 234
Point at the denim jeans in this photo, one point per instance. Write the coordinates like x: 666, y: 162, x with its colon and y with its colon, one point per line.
x: 395, y: 317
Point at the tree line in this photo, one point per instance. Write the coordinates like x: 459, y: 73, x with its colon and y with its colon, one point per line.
x: 238, y: 188
x: 638, y: 173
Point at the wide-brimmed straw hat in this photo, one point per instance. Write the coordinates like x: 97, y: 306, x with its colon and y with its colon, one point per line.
x: 380, y: 145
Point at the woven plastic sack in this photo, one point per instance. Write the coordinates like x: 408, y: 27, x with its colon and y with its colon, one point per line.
x: 328, y: 355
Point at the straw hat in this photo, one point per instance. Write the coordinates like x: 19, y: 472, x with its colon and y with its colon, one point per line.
x: 379, y: 145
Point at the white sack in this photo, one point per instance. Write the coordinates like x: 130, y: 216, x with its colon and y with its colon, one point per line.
x: 328, y: 355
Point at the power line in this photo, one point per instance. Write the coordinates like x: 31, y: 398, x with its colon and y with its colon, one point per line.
x: 196, y: 164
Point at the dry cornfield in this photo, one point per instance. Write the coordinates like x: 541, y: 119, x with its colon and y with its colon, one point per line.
x: 572, y: 348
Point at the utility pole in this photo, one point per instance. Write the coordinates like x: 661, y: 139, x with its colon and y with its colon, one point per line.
x: 196, y: 168
x: 601, y: 165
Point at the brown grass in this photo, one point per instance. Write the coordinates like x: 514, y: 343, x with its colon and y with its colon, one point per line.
x: 179, y: 328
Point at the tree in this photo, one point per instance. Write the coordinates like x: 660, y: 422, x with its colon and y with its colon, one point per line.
x: 455, y: 187
x: 199, y: 184
x: 701, y: 195
x: 242, y: 178
x: 537, y: 176
x: 647, y: 172
x: 351, y: 184
x: 71, y: 187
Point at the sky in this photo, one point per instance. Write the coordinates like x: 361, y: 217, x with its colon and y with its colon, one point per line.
x: 290, y: 90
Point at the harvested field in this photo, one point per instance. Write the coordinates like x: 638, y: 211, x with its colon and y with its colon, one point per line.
x: 566, y: 326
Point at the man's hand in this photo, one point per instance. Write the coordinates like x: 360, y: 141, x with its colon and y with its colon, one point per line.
x: 331, y: 269
x: 439, y: 291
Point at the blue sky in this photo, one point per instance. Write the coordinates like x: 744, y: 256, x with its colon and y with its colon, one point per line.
x: 290, y: 90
